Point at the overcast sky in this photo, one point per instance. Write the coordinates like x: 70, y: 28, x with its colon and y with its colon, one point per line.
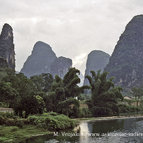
x: 73, y: 28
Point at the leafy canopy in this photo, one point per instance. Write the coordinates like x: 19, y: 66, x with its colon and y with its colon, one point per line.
x: 105, y: 96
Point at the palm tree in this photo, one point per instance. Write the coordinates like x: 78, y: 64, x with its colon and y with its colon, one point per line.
x: 105, y: 96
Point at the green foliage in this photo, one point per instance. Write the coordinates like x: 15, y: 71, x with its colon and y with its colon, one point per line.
x: 27, y: 99
x: 85, y: 97
x: 123, y: 108
x: 137, y: 92
x: 42, y: 82
x: 40, y: 104
x: 14, y: 134
x: 21, y: 83
x: 3, y: 73
x: 9, y: 119
x: 7, y: 93
x: 8, y: 115
x: 69, y: 107
x: 31, y: 105
x: 3, y: 62
x: 105, y: 96
x: 84, y: 112
x: 50, y: 113
x: 61, y: 99
x: 31, y: 96
x: 52, y: 121
x: 71, y: 81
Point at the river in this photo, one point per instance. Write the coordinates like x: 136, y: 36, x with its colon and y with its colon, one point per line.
x: 107, y: 131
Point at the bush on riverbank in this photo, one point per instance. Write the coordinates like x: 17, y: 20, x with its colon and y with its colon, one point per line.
x: 14, y: 129
x: 52, y: 121
x: 123, y: 108
x: 9, y: 119
x: 14, y: 134
x: 49, y: 121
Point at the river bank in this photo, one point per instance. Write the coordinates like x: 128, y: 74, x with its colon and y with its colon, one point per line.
x: 108, y: 118
x: 14, y: 134
x: 15, y: 130
x: 112, y: 131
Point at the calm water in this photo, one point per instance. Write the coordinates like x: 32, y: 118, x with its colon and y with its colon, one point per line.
x: 111, y: 131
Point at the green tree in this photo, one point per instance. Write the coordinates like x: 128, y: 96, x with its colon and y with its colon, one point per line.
x: 33, y: 104
x: 42, y: 82
x: 69, y: 107
x: 27, y: 100
x: 137, y: 93
x: 64, y: 92
x: 105, y: 96
x: 40, y: 103
x: 7, y: 93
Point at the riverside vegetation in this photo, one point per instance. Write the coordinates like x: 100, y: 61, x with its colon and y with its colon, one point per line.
x: 43, y: 103
x: 15, y: 129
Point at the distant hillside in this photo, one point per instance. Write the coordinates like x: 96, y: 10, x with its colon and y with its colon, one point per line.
x: 97, y: 60
x: 60, y: 66
x: 126, y: 62
x: 7, y: 53
x: 44, y: 60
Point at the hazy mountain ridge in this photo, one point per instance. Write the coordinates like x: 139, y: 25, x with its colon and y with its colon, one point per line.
x: 97, y: 60
x: 7, y: 53
x: 61, y: 66
x: 126, y: 63
x: 44, y: 60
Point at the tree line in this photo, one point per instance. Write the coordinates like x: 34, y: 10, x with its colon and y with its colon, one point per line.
x: 45, y: 93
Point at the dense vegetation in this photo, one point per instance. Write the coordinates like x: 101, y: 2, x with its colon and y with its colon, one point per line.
x: 104, y: 99
x: 42, y: 93
x: 14, y: 129
x: 45, y: 93
x: 44, y: 103
x: 63, y: 95
x: 14, y: 134
x: 50, y: 121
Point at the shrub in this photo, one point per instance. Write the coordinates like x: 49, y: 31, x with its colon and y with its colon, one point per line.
x: 85, y: 112
x: 101, y: 111
x: 123, y: 108
x: 19, y: 123
x: 32, y: 119
x: 133, y: 109
x: 10, y: 120
x: 52, y: 121
x: 2, y: 120
x: 8, y: 115
x: 50, y: 113
x: 14, y: 129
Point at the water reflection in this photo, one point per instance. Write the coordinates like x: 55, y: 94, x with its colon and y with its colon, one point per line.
x: 91, y: 132
x: 111, y: 131
x: 107, y: 126
x: 85, y: 130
